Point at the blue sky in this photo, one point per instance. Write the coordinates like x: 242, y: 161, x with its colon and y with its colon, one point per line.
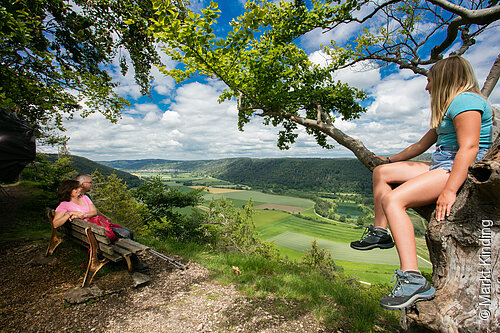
x: 185, y: 122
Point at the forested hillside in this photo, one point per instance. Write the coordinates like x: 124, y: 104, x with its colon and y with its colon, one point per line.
x: 201, y: 166
x: 329, y: 175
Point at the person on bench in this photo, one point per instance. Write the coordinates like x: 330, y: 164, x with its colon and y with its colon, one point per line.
x: 75, y: 205
x: 85, y: 186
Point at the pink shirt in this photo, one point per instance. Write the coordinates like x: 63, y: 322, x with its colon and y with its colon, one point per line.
x: 68, y: 206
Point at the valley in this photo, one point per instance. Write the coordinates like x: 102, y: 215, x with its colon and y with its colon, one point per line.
x: 291, y: 223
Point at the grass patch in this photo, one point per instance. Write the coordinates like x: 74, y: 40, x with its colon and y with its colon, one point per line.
x: 264, y: 217
x: 336, y: 232
x: 349, y: 208
x: 312, y: 214
x: 262, y: 198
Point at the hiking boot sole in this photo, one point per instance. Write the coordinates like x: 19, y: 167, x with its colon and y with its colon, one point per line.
x: 372, y: 246
x: 427, y: 296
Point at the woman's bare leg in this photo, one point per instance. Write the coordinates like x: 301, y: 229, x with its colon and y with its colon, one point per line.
x: 421, y: 190
x: 392, y: 173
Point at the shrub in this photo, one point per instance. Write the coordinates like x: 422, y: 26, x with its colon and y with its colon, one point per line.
x: 228, y: 228
x: 49, y: 175
x: 321, y: 260
x: 164, y: 222
x: 111, y: 196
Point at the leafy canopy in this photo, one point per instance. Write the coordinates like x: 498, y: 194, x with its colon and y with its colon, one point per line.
x: 163, y: 203
x: 54, y: 53
x: 259, y: 63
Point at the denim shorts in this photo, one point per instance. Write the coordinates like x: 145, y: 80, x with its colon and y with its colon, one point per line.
x: 443, y: 157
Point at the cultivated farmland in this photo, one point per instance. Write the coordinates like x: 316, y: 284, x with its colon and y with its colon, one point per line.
x: 291, y: 224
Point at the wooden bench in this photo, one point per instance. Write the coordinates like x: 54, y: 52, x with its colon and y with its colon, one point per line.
x: 93, y: 237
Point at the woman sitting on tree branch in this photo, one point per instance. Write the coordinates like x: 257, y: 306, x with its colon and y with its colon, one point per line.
x: 461, y: 128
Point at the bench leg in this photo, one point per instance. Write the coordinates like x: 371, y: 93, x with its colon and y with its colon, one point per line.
x: 54, y: 242
x: 130, y: 266
x: 54, y: 239
x: 94, y: 264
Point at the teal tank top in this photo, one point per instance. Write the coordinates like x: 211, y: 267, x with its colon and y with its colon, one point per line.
x: 447, y: 136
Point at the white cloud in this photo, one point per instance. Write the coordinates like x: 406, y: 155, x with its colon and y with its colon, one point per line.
x: 361, y: 75
x: 170, y: 118
x: 317, y: 37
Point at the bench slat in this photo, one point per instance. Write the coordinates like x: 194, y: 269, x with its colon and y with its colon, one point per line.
x: 80, y: 230
x: 130, y: 245
x: 103, y: 247
x: 114, y: 257
x: 96, y: 229
x: 123, y: 252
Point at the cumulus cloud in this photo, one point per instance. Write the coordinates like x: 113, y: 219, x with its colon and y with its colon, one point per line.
x: 361, y: 75
x: 317, y: 37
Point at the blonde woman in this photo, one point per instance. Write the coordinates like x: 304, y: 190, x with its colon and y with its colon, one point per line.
x: 461, y: 129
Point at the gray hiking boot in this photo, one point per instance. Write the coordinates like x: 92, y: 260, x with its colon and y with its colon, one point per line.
x: 373, y: 238
x: 410, y: 287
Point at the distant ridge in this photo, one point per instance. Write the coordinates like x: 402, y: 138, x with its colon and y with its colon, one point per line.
x: 331, y: 175
x: 86, y: 166
x: 203, y: 166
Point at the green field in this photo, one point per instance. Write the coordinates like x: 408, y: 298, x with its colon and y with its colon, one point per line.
x: 340, y: 251
x: 372, y: 273
x: 293, y: 235
x: 263, y: 217
x: 336, y: 232
x: 348, y: 208
x: 259, y: 197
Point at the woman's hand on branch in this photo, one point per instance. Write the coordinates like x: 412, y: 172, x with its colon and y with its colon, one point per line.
x: 444, y: 203
x: 384, y: 159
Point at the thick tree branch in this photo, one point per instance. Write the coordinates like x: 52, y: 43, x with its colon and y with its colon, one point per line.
x: 477, y: 16
x: 363, y: 154
x: 492, y: 78
x: 466, y: 16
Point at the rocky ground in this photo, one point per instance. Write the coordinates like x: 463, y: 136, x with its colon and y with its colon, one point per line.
x: 35, y: 291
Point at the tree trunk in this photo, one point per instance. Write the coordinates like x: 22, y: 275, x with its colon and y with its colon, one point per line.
x: 465, y: 254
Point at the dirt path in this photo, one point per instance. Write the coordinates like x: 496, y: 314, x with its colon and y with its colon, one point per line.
x: 33, y: 299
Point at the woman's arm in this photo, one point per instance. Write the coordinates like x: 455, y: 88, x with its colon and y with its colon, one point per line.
x: 79, y: 215
x: 415, y: 149
x: 468, y: 127
x: 91, y: 213
x: 60, y: 218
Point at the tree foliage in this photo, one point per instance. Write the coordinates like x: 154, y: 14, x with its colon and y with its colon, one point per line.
x: 111, y: 196
x: 229, y: 228
x: 49, y: 174
x: 272, y: 77
x: 162, y: 202
x: 320, y: 259
x: 54, y: 53
x: 269, y: 73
